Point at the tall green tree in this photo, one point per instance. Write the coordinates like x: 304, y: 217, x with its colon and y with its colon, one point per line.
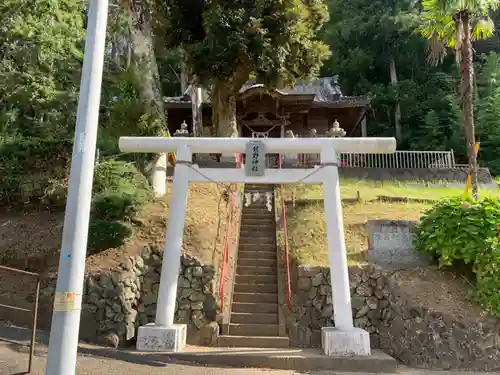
x: 455, y: 24
x: 227, y: 41
x: 41, y: 43
x: 369, y: 40
x: 487, y: 104
x: 374, y: 34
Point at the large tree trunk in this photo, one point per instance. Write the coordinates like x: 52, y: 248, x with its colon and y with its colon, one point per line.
x: 145, y: 66
x: 397, y: 106
x: 466, y: 91
x: 196, y: 102
x: 184, y: 79
x: 224, y: 112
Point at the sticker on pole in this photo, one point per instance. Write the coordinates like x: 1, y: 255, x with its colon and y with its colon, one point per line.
x: 64, y: 301
x: 255, y: 164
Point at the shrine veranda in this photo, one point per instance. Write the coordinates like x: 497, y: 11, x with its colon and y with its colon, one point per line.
x: 343, y: 339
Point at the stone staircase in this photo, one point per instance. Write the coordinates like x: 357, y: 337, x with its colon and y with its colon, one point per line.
x: 254, y: 317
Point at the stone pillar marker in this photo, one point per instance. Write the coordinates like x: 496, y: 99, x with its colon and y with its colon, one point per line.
x: 342, y: 340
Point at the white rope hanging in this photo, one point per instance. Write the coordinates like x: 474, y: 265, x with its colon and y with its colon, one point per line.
x: 260, y: 134
x: 251, y: 198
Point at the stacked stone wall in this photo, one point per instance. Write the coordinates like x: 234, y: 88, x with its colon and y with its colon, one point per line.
x: 116, y: 303
x: 414, y: 334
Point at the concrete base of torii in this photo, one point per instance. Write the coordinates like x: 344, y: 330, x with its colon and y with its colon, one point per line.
x: 350, y: 342
x: 157, y: 338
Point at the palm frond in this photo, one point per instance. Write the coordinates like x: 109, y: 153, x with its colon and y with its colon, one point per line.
x: 482, y: 28
x: 436, y: 50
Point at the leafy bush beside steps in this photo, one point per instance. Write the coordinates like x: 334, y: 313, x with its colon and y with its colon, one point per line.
x: 463, y: 230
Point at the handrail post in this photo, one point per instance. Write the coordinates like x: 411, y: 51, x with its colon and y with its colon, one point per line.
x: 285, y: 239
x: 33, y: 331
x: 225, y: 254
x: 35, y: 311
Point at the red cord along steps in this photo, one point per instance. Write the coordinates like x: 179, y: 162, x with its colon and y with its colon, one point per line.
x: 254, y: 318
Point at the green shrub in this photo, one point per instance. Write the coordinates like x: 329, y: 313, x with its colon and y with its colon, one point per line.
x: 118, y: 204
x: 120, y: 191
x: 32, y: 169
x: 105, y: 235
x: 461, y: 229
x: 113, y: 174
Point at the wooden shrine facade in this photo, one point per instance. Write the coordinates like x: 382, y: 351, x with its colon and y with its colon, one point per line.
x: 303, y: 109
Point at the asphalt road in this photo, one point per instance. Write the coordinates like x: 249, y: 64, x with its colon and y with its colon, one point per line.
x: 94, y: 360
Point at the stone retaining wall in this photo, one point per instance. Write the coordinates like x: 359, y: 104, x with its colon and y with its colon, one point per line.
x: 417, y: 336
x: 116, y: 304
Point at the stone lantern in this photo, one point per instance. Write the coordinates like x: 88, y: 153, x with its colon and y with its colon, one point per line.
x: 336, y: 131
x: 182, y: 132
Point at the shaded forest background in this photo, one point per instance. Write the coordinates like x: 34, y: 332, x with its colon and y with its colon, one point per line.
x: 374, y: 50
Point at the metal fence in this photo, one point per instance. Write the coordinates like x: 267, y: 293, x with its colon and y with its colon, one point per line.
x: 398, y: 160
x: 7, y: 305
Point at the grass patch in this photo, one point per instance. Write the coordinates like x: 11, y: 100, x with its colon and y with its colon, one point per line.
x: 307, y: 235
x: 306, y: 223
x: 371, y: 189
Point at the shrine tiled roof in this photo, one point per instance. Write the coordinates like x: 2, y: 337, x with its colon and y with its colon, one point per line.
x: 326, y: 91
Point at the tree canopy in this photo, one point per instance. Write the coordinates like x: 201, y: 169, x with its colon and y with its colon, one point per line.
x: 226, y: 41
x: 41, y: 44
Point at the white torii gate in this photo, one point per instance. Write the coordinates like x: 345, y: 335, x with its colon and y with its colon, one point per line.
x: 344, y: 338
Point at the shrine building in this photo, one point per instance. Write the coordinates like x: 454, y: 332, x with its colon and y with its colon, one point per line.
x: 306, y: 110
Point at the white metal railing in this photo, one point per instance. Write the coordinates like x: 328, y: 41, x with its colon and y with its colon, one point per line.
x: 399, y: 160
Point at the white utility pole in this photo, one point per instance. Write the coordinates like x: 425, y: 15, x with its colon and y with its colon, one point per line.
x: 63, y: 345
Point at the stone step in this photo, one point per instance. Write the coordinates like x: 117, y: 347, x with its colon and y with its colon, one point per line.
x: 267, y: 231
x: 257, y: 247
x: 267, y: 330
x: 244, y: 307
x: 254, y: 318
x: 296, y: 360
x: 259, y: 214
x: 252, y: 220
x: 255, y: 297
x: 252, y: 270
x: 257, y: 226
x: 243, y: 253
x: 256, y: 235
x: 257, y: 262
x: 257, y: 240
x: 253, y: 342
x: 262, y: 215
x: 255, y: 288
x: 256, y: 279
x: 262, y: 220
x: 258, y: 207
